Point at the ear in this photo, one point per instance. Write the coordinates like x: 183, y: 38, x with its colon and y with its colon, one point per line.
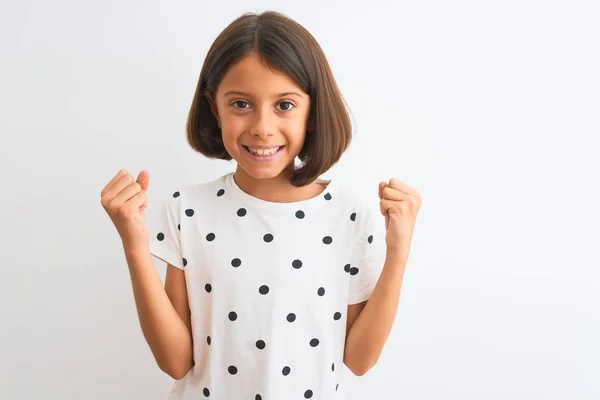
x: 213, y: 105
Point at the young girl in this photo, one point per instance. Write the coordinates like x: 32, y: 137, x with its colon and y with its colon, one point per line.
x: 275, y: 278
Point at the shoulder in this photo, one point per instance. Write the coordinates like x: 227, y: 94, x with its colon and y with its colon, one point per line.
x: 184, y: 192
x: 362, y: 203
x: 369, y: 223
x: 351, y: 196
x: 178, y: 196
x: 351, y: 204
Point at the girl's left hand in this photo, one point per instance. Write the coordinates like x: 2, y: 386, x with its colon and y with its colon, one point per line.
x: 400, y: 205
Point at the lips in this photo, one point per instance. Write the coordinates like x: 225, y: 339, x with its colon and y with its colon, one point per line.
x: 275, y: 146
x: 264, y: 157
x: 263, y: 150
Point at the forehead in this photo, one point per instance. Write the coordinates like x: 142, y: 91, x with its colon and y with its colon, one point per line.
x: 250, y: 74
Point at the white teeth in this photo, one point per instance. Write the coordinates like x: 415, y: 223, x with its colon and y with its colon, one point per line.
x: 264, y: 152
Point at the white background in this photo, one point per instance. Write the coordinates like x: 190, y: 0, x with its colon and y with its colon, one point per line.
x: 490, y: 109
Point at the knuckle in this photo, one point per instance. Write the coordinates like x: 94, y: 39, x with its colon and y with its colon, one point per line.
x: 113, y: 205
x: 123, y: 212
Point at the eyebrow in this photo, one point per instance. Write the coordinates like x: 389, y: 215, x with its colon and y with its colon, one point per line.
x: 249, y: 95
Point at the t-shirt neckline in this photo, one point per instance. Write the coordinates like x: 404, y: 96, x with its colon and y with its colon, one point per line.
x: 323, y: 197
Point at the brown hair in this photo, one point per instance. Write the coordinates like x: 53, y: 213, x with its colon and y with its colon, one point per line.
x: 288, y: 47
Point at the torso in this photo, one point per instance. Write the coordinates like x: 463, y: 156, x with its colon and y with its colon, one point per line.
x: 267, y: 283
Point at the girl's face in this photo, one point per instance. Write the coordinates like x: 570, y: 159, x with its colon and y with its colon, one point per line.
x: 263, y: 117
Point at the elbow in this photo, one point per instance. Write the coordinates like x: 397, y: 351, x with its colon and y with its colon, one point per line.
x: 360, y: 367
x: 177, y: 372
x: 359, y: 371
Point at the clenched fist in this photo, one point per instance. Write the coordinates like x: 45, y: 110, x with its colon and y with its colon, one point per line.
x: 124, y: 199
x: 400, y: 205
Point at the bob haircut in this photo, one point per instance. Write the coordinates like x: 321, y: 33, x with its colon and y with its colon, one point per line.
x: 286, y: 46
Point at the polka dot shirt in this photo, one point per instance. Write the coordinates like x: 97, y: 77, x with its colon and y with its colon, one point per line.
x: 268, y: 286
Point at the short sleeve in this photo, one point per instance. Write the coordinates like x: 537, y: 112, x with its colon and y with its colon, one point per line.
x: 165, y: 233
x: 368, y: 255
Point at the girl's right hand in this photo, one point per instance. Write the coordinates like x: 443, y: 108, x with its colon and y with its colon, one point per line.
x: 124, y: 199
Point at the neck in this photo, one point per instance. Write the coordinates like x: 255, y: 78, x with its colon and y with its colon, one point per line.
x: 277, y: 189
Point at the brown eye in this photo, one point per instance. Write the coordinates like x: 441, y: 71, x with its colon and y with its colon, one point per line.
x: 290, y: 105
x: 238, y: 102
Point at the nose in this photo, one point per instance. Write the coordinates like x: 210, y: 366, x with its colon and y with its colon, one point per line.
x: 263, y: 124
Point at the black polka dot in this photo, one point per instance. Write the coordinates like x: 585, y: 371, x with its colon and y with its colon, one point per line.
x: 206, y: 392
x: 189, y: 212
x: 327, y: 196
x: 308, y: 394
x: 258, y: 397
x: 333, y: 366
x: 337, y: 316
x: 184, y: 261
x: 336, y: 386
x: 208, y: 288
x: 299, y: 214
x: 208, y: 340
x: 241, y: 212
x: 327, y: 240
x: 221, y: 192
x: 268, y: 238
x: 314, y: 342
x: 232, y: 316
x: 232, y: 370
x: 179, y: 227
x: 291, y: 317
x: 370, y: 239
x: 210, y: 237
x: 260, y: 344
x: 286, y: 371
x: 176, y: 194
x: 297, y: 264
x: 236, y: 262
x: 353, y: 271
x: 321, y: 291
x: 353, y: 216
x: 160, y: 236
x: 264, y: 289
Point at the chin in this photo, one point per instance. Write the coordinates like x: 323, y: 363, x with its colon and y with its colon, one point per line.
x: 264, y: 169
x: 262, y: 173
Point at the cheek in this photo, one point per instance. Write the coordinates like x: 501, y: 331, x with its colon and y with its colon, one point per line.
x: 232, y: 129
x: 296, y: 133
x: 229, y: 139
x: 231, y: 123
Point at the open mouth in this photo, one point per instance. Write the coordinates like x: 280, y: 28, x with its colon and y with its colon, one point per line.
x: 263, y: 153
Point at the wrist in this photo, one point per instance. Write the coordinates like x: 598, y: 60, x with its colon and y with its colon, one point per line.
x: 135, y: 251
x: 397, y: 253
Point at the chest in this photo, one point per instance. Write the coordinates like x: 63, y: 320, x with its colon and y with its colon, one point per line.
x: 256, y: 255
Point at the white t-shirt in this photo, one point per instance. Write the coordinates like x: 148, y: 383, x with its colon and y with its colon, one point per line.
x: 268, y: 287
